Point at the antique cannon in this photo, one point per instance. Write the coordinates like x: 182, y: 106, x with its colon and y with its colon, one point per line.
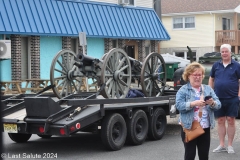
x: 115, y: 69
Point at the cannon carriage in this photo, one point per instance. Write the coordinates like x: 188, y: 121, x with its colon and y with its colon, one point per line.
x: 114, y: 71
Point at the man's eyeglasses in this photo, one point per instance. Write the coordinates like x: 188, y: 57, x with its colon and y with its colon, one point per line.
x: 196, y: 75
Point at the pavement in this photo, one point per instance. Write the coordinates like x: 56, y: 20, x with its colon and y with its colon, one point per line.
x: 172, y: 130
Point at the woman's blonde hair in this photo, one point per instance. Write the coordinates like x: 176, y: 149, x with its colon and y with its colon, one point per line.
x: 192, y: 67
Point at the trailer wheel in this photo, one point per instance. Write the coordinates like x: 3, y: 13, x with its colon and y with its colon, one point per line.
x: 45, y: 136
x: 137, y: 127
x: 157, y: 124
x: 114, y: 131
x: 19, y: 137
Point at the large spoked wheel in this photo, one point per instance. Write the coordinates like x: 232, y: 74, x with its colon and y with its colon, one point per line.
x: 137, y: 127
x: 19, y: 137
x: 114, y: 131
x: 61, y: 74
x: 153, y: 75
x: 157, y: 124
x: 116, y: 74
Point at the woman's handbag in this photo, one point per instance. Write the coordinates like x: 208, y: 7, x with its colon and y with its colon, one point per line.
x: 196, y: 129
x: 194, y: 132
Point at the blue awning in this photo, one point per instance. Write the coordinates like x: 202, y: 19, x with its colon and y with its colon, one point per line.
x: 68, y: 18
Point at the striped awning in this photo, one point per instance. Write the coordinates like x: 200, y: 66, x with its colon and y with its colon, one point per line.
x: 68, y: 18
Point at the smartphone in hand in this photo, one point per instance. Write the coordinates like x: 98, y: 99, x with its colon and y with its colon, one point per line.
x: 207, y: 98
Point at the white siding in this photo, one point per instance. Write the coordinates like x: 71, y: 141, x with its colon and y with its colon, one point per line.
x: 139, y: 3
x: 144, y: 3
x: 202, y: 38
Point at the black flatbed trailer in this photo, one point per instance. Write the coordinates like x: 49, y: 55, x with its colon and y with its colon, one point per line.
x: 117, y: 120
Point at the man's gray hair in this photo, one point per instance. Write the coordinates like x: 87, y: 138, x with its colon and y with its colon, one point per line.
x: 228, y: 46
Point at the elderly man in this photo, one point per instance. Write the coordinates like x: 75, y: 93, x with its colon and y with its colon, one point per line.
x: 224, y: 79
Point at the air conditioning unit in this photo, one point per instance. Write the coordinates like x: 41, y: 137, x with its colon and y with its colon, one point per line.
x: 5, y: 49
x: 123, y: 2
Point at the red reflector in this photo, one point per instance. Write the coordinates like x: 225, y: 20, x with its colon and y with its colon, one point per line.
x: 62, y: 131
x: 72, y: 128
x: 41, y: 129
x: 78, y: 125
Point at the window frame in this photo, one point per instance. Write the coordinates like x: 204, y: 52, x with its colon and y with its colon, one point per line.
x: 183, y: 22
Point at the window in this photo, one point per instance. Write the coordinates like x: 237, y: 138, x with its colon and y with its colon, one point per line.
x: 226, y: 22
x: 183, y: 22
x: 114, y: 44
x: 147, y: 50
x: 131, y: 2
x: 180, y: 54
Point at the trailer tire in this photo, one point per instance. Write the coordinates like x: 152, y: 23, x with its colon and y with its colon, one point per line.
x: 44, y: 136
x: 157, y: 124
x: 137, y: 128
x: 19, y: 137
x: 114, y: 131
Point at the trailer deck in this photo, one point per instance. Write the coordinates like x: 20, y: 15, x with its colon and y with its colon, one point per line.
x: 47, y: 115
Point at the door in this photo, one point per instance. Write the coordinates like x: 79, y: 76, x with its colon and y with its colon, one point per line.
x: 130, y: 50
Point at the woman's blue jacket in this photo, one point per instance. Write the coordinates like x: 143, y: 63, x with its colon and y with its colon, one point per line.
x: 186, y: 95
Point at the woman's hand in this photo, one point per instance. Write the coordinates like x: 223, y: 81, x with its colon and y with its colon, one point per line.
x: 209, y: 101
x: 199, y: 103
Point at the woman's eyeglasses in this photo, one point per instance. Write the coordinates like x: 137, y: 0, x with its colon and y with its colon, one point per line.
x: 196, y: 75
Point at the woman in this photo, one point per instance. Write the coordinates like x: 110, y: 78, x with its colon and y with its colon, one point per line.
x: 189, y: 101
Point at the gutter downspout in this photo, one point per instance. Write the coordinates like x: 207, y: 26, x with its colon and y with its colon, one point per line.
x: 157, y: 8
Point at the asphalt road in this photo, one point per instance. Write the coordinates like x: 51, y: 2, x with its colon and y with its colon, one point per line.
x: 89, y: 147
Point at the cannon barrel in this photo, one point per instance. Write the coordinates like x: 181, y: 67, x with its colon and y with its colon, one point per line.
x: 136, y: 65
x: 85, y: 59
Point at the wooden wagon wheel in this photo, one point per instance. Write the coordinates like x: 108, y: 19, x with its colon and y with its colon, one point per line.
x: 153, y: 75
x: 116, y: 74
x: 61, y: 71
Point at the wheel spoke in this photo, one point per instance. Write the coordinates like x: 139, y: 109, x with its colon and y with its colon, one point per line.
x: 123, y: 83
x: 63, y: 81
x: 64, y: 62
x: 110, y: 87
x: 109, y: 69
x: 74, y: 86
x: 59, y: 71
x: 120, y: 87
x: 123, y: 68
x: 121, y: 63
x: 62, y: 66
x: 113, y: 89
x: 61, y: 77
x: 109, y: 80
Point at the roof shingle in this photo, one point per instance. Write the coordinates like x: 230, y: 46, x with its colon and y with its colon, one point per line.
x: 183, y: 6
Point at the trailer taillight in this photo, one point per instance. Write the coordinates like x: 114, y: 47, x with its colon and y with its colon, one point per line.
x: 78, y: 125
x: 72, y: 128
x: 62, y: 131
x: 41, y: 129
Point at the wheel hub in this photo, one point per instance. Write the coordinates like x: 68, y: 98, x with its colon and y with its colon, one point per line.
x: 117, y: 75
